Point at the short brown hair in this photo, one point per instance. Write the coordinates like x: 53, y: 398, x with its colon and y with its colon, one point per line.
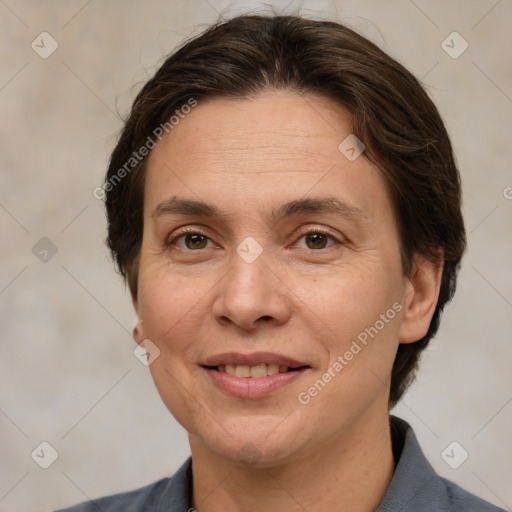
x: 391, y: 114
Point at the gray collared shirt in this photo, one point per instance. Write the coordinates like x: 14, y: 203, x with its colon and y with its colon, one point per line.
x: 415, y: 487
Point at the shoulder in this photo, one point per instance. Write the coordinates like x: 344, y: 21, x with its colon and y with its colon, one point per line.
x: 416, y: 486
x: 136, y: 500
x: 458, y: 499
x: 165, y: 495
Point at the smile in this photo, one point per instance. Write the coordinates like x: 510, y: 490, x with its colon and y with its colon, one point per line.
x: 257, y: 371
x: 253, y: 375
x: 253, y: 381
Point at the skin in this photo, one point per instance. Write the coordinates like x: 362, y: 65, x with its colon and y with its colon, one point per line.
x: 305, y: 297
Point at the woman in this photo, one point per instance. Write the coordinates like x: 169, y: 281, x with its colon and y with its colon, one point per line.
x: 285, y: 206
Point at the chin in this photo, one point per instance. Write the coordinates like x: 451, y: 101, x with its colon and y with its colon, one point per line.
x: 261, y: 449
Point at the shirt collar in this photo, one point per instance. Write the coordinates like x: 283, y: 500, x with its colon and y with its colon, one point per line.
x: 414, y: 483
x: 178, y: 492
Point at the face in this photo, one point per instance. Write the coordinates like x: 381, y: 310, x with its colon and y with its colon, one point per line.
x: 248, y: 284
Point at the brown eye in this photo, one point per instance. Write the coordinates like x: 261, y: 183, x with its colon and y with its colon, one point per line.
x: 190, y: 240
x: 317, y: 240
x: 195, y: 241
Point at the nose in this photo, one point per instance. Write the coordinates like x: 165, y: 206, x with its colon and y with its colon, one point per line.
x: 250, y: 295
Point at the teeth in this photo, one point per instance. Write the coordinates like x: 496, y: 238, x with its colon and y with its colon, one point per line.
x: 272, y: 369
x: 242, y: 370
x: 259, y: 370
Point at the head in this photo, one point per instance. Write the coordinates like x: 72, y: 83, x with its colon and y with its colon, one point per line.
x: 246, y: 117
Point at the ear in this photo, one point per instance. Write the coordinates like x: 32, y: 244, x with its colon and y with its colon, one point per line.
x: 421, y: 294
x: 138, y: 330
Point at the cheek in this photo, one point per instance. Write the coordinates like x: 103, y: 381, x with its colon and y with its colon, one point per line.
x: 176, y: 310
x: 351, y: 297
x: 360, y: 309
x: 166, y: 298
x: 171, y: 308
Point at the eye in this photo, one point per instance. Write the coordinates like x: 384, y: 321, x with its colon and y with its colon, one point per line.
x: 192, y: 240
x: 317, y: 238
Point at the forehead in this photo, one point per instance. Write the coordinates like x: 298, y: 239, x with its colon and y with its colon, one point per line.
x: 273, y: 147
x: 273, y: 122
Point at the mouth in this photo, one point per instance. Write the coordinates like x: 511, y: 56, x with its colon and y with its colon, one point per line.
x: 253, y: 375
x: 255, y: 371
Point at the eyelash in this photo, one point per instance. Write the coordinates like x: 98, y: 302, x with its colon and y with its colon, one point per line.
x: 195, y: 231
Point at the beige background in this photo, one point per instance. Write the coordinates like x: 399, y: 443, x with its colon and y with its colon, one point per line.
x: 68, y: 374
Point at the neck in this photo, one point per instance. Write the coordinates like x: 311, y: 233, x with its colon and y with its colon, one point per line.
x: 349, y: 473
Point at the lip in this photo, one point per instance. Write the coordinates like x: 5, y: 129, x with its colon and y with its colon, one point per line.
x: 252, y: 387
x: 252, y: 359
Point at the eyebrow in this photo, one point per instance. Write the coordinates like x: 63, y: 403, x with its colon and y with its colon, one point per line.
x: 330, y: 205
